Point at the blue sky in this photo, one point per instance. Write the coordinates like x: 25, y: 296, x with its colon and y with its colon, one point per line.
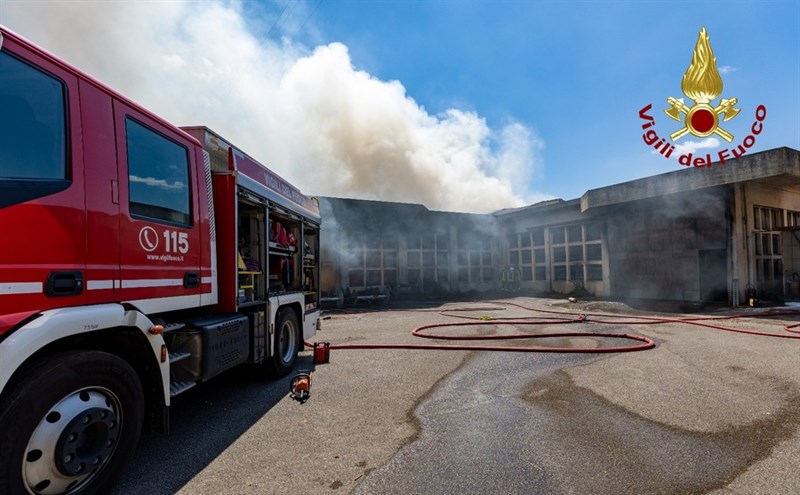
x: 457, y: 105
x: 576, y: 72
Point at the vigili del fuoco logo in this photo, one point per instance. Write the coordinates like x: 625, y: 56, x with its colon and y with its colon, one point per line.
x: 702, y: 84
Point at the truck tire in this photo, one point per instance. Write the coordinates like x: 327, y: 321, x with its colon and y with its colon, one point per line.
x: 70, y: 424
x: 287, y: 343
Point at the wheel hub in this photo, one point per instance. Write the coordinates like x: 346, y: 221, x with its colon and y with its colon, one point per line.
x: 73, y: 442
x: 87, y: 441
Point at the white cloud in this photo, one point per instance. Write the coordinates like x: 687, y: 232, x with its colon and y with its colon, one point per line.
x: 727, y: 69
x: 693, y: 146
x: 306, y: 113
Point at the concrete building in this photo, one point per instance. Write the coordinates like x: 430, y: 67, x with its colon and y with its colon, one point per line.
x: 374, y: 248
x: 694, y: 234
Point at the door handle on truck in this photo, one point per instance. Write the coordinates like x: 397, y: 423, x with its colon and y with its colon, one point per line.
x: 64, y: 283
x: 191, y: 280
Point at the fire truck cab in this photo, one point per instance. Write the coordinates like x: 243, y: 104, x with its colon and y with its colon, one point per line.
x: 137, y: 260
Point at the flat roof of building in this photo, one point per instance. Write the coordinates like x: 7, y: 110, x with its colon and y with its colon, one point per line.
x: 779, y: 166
x: 775, y: 167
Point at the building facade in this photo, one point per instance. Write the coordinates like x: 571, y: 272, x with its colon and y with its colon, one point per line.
x: 697, y: 234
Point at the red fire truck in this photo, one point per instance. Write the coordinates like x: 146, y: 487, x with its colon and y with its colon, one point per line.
x: 137, y: 259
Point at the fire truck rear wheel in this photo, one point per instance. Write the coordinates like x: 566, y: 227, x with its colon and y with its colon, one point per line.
x: 70, y: 424
x: 287, y: 343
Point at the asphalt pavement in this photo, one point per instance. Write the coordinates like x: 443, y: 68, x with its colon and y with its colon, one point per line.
x: 705, y: 411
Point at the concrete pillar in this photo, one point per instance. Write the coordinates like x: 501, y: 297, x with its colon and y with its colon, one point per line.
x: 402, y: 258
x: 452, y: 258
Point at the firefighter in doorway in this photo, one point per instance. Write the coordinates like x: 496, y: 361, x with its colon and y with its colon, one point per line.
x: 510, y: 278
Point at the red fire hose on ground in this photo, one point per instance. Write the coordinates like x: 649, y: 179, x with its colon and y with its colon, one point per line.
x: 322, y: 350
x: 696, y: 321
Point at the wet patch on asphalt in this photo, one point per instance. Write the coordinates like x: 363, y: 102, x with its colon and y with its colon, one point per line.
x: 506, y: 423
x: 643, y: 455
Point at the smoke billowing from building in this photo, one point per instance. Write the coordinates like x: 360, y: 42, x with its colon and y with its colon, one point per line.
x: 405, y: 248
x: 307, y: 113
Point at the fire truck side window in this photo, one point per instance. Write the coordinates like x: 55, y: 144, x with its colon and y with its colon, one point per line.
x: 158, y: 174
x: 32, y: 123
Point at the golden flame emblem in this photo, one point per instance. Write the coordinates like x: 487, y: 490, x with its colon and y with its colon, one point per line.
x: 702, y: 83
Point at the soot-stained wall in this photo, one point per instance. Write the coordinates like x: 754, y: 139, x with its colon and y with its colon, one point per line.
x: 672, y: 248
x: 687, y: 235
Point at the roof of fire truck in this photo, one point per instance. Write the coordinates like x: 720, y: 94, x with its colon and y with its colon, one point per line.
x: 253, y: 176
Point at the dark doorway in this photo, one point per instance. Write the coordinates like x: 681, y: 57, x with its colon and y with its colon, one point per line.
x: 713, y: 275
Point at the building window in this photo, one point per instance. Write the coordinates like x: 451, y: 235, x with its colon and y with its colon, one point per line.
x: 577, y: 253
x: 158, y: 174
x: 526, y: 252
x: 792, y: 218
x: 767, y: 240
x: 594, y: 273
x: 428, y: 260
x: 475, y: 258
x: 372, y: 260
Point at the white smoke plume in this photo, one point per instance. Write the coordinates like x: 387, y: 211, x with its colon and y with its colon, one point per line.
x: 307, y: 113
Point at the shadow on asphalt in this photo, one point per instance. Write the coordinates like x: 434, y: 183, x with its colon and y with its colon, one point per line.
x: 204, y: 422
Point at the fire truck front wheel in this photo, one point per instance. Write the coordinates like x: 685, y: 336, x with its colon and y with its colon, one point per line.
x: 287, y: 343
x: 70, y: 424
